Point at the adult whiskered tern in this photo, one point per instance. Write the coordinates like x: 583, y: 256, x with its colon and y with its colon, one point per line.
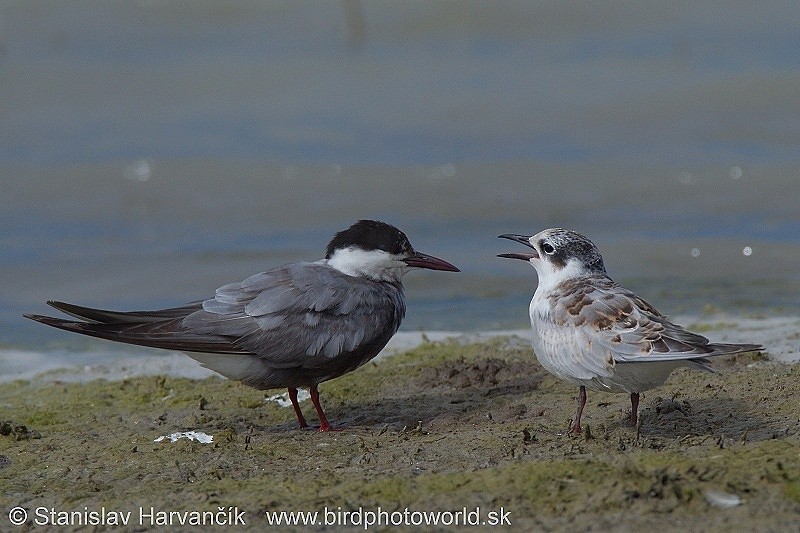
x: 294, y: 326
x: 589, y: 331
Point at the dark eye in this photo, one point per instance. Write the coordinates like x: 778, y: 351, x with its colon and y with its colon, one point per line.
x: 548, y: 248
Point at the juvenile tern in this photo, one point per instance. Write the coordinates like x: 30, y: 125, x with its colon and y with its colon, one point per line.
x: 591, y: 332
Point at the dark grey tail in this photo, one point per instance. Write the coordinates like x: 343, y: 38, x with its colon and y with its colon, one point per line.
x: 156, y: 329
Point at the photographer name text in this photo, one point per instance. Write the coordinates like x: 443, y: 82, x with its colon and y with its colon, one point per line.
x: 143, y: 516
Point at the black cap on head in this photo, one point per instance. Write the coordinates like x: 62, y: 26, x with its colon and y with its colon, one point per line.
x: 371, y: 235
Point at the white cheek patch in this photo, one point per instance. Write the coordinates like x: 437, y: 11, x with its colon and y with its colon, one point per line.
x: 573, y: 268
x: 375, y: 264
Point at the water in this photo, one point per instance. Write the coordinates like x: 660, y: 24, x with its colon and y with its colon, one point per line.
x: 150, y: 152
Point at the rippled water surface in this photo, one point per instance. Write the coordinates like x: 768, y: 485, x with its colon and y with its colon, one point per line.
x: 150, y: 152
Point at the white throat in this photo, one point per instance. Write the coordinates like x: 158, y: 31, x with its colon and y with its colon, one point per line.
x: 373, y: 264
x: 550, y: 277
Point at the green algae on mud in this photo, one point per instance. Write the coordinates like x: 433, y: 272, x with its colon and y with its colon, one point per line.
x: 442, y: 427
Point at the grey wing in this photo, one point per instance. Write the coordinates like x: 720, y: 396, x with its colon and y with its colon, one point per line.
x: 295, y: 314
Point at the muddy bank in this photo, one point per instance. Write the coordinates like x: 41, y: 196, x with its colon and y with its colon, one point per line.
x: 442, y: 427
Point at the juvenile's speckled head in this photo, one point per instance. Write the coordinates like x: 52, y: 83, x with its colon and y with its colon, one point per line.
x: 379, y: 251
x: 558, y: 254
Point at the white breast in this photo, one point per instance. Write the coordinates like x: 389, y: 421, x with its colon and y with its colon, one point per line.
x: 574, y: 354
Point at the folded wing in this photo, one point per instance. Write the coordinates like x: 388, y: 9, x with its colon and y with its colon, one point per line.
x: 288, y: 316
x: 631, y: 330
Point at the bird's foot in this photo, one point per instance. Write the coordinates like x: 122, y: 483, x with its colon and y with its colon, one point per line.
x: 328, y: 428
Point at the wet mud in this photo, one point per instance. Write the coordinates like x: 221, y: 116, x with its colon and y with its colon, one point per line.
x: 443, y: 427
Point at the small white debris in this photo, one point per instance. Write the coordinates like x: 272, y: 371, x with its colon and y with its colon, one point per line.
x: 199, y: 436
x: 721, y: 499
x: 284, y: 401
x: 138, y: 171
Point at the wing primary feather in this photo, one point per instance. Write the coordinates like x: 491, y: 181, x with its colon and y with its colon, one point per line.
x: 165, y: 334
x: 104, y: 316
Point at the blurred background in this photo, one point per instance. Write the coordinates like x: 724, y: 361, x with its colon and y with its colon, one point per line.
x: 151, y: 151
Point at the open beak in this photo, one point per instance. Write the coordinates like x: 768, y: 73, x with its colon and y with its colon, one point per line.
x: 420, y: 260
x: 524, y: 239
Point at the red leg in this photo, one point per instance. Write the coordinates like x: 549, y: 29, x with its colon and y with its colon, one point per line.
x: 634, y: 408
x: 300, y: 419
x: 323, y: 420
x: 576, y: 424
